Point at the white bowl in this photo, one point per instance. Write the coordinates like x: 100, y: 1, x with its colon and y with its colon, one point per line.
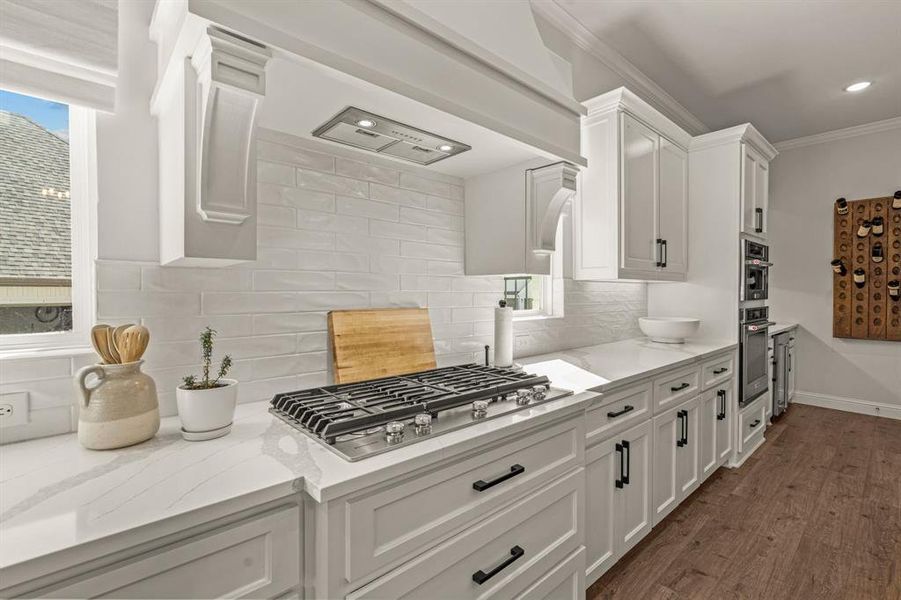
x: 668, y: 330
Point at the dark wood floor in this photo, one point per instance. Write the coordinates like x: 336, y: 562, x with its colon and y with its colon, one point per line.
x: 814, y: 513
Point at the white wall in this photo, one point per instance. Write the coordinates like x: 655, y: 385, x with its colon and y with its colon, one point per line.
x: 805, y: 182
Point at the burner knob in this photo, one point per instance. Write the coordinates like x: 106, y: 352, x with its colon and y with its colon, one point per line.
x: 394, y: 432
x: 479, y: 409
x: 539, y: 392
x: 523, y: 397
x: 423, y: 424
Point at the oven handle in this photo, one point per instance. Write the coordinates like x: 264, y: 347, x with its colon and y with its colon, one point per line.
x: 758, y: 263
x: 755, y: 327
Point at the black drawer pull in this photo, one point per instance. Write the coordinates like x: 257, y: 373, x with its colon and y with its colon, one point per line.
x: 481, y: 485
x: 720, y: 371
x: 754, y: 424
x: 679, y: 387
x: 619, y: 413
x: 481, y: 576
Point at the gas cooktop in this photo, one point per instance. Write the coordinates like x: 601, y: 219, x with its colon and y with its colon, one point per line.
x: 357, y: 420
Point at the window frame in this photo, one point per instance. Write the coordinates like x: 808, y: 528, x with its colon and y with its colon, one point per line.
x: 83, y: 212
x: 549, y: 308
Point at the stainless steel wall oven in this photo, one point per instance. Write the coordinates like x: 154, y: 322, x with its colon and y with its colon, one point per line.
x: 755, y: 271
x: 754, y: 324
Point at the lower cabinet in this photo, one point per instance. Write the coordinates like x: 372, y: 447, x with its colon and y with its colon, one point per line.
x: 715, y: 428
x: 617, y: 497
x: 676, y: 456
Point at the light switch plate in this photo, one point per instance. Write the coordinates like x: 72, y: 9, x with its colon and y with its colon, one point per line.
x: 13, y: 409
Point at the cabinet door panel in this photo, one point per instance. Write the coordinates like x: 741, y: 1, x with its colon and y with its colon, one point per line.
x: 724, y: 425
x: 748, y: 198
x: 639, y: 197
x: 673, y: 205
x: 633, y: 502
x: 667, y: 432
x: 761, y: 193
x: 688, y: 457
x: 710, y: 408
x: 602, y: 469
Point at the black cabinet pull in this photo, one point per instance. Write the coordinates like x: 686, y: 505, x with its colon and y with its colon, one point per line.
x: 754, y: 424
x: 659, y: 252
x: 481, y: 486
x: 619, y: 413
x: 685, y: 435
x: 758, y: 218
x: 481, y: 576
x: 622, y: 467
x: 721, y: 394
x: 680, y: 415
x: 720, y: 371
x: 665, y: 253
x: 628, y: 453
x: 679, y: 387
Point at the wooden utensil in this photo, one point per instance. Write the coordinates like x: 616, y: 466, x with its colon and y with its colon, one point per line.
x: 134, y: 343
x: 373, y: 343
x: 116, y: 337
x: 100, y: 339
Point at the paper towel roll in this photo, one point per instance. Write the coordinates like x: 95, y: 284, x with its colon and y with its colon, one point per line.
x: 503, y: 337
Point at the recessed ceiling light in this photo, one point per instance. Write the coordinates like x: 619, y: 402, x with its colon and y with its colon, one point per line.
x: 445, y: 147
x: 366, y: 123
x: 860, y: 85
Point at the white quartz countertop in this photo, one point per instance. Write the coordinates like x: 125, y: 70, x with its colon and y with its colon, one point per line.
x: 605, y: 367
x: 781, y: 327
x: 56, y: 495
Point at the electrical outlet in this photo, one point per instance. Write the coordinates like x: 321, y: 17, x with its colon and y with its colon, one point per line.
x: 13, y: 409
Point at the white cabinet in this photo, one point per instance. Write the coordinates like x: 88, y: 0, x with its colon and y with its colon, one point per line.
x: 618, y: 494
x: 511, y: 217
x: 715, y: 428
x: 676, y: 456
x: 754, y: 191
x: 630, y: 214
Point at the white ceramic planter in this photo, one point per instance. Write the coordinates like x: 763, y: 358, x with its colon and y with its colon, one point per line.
x: 207, y: 410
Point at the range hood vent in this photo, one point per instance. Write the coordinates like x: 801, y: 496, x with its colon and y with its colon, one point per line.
x: 367, y: 131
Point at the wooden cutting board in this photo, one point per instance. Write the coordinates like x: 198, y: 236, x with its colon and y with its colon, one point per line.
x: 380, y: 342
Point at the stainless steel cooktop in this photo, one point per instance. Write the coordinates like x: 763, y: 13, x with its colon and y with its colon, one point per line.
x: 358, y: 420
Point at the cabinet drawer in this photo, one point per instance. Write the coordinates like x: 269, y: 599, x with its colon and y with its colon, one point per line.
x: 564, y: 580
x: 617, y: 412
x: 504, y: 551
x: 256, y: 558
x: 751, y: 424
x: 399, y: 521
x: 717, y: 370
x: 674, y: 387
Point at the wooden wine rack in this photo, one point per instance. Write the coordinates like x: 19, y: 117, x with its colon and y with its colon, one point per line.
x: 866, y: 312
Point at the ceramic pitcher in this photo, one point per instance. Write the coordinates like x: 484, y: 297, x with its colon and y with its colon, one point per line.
x: 119, y: 410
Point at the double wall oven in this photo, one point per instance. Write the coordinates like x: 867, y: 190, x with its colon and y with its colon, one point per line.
x: 754, y: 321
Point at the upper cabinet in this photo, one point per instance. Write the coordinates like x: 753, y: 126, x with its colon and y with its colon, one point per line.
x: 755, y: 177
x: 512, y: 217
x: 630, y: 214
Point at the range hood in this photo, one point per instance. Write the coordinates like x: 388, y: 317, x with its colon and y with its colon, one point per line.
x: 374, y: 133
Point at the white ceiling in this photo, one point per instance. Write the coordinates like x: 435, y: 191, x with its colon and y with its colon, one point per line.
x: 780, y: 65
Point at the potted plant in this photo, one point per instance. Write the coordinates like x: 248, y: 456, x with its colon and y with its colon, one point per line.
x: 206, y: 405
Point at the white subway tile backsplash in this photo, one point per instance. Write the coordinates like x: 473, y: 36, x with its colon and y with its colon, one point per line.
x: 280, y: 195
x: 421, y: 184
x: 318, y: 221
x: 336, y: 184
x: 333, y: 233
x: 293, y: 280
x: 297, y: 157
x: 400, y: 231
x: 367, y: 208
x: 268, y: 172
x: 367, y: 281
x: 359, y: 170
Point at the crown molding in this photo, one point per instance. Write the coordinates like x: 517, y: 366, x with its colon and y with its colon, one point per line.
x: 740, y: 133
x: 840, y: 134
x: 634, y: 77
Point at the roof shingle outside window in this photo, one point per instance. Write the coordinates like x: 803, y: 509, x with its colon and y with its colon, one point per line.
x: 35, y: 236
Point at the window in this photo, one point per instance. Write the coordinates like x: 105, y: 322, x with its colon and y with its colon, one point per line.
x: 45, y: 259
x: 538, y: 296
